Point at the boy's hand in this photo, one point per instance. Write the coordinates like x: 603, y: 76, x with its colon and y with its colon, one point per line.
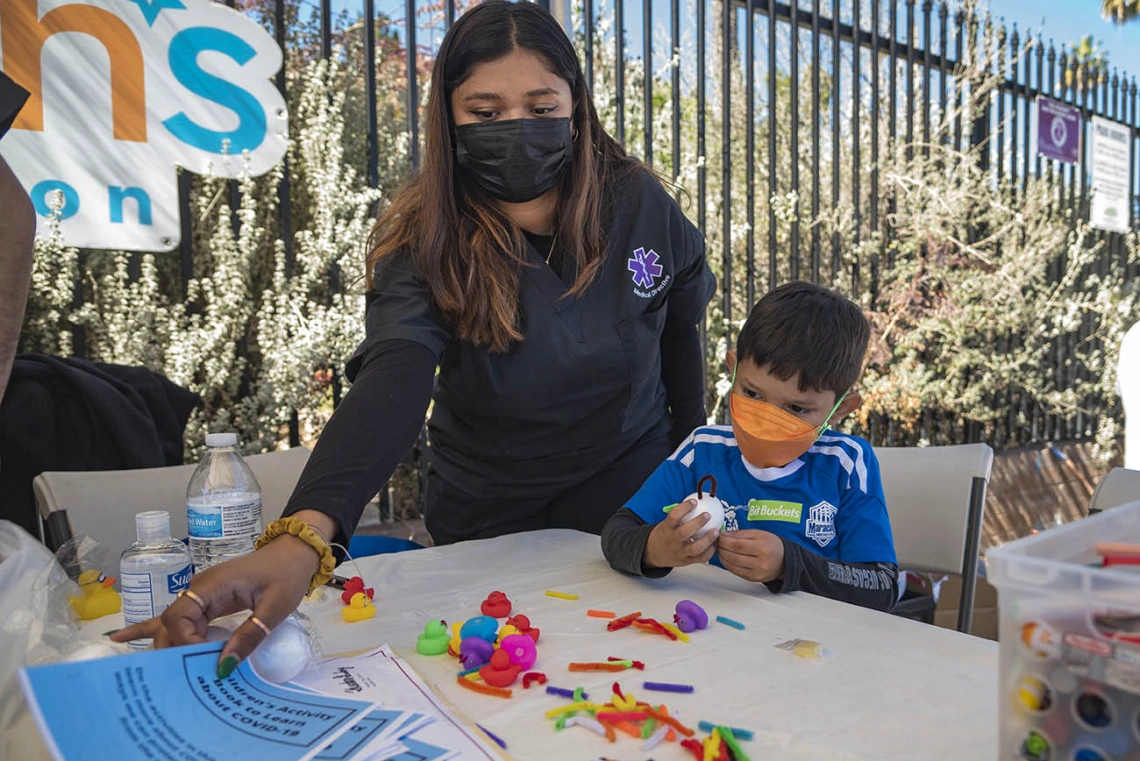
x: 752, y: 555
x: 671, y: 543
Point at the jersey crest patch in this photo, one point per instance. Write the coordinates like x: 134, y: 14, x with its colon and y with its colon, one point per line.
x: 820, y: 526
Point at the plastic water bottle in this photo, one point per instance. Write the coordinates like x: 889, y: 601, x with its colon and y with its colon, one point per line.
x: 152, y: 571
x: 223, y: 504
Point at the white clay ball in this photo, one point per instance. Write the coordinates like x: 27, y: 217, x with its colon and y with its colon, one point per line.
x: 706, y: 504
x: 90, y: 651
x: 286, y: 652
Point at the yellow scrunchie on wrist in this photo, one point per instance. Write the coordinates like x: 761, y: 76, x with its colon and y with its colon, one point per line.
x: 310, y: 536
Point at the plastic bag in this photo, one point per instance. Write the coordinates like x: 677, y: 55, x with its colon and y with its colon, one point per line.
x: 805, y: 649
x: 37, y: 624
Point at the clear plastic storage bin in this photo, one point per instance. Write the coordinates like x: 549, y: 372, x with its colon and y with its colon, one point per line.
x: 1070, y: 643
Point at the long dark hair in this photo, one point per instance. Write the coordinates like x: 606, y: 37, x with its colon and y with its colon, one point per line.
x: 467, y: 250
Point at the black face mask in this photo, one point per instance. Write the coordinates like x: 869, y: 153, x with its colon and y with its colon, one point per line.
x: 517, y: 160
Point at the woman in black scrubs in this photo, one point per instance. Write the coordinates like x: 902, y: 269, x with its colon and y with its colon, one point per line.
x: 557, y: 287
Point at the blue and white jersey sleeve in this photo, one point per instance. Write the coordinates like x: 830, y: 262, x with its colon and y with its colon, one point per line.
x: 861, y: 523
x: 671, y: 483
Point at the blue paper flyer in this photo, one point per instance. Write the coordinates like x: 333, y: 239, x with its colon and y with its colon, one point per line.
x: 169, y: 704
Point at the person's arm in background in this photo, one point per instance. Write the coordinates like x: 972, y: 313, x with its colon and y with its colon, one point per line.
x: 17, y: 232
x: 682, y: 363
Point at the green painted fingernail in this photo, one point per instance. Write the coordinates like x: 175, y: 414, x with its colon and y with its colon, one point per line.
x: 227, y: 666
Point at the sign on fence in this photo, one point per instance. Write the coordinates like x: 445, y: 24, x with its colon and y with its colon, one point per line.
x: 1058, y: 130
x: 1110, y: 154
x: 122, y: 92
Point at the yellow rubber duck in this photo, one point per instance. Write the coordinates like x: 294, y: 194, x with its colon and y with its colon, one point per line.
x: 359, y: 608
x: 99, y: 597
x: 434, y: 640
x: 456, y: 640
x: 506, y: 631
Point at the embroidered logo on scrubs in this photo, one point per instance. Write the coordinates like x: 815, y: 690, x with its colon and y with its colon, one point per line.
x: 643, y: 264
x: 821, y: 523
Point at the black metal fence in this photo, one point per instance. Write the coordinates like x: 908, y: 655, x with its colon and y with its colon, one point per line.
x: 890, y: 70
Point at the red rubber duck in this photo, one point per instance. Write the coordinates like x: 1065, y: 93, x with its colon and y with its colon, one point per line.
x: 500, y: 672
x: 522, y: 623
x: 496, y: 605
x: 352, y: 586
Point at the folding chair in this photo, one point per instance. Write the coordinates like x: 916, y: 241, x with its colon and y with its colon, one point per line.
x: 936, y: 498
x: 1119, y: 487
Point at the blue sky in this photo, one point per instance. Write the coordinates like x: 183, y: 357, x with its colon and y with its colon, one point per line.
x: 1068, y: 20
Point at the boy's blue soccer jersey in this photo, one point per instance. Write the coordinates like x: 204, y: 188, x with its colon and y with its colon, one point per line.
x: 830, y: 500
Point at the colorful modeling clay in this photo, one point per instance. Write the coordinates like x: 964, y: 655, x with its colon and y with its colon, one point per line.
x: 500, y: 672
x: 689, y: 616
x: 624, y: 621
x: 483, y: 627
x: 632, y: 664
x: 496, y: 605
x: 475, y: 652
x: 434, y: 639
x: 694, y: 747
x: 653, y: 626
x: 665, y: 717
x: 520, y: 649
x: 560, y: 692
x: 680, y: 634
x: 656, y: 738
x: 498, y: 740
x: 730, y: 622
x: 533, y: 676
x: 484, y: 689
x: 627, y: 716
x: 739, y: 734
x: 360, y: 608
x: 728, y: 735
x: 667, y: 687
x: 600, y: 614
x: 560, y: 595
x: 608, y: 666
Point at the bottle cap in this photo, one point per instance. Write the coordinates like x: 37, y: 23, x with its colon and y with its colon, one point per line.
x: 214, y: 440
x: 152, y: 526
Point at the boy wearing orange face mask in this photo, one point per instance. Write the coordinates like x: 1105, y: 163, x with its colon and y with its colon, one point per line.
x: 804, y: 506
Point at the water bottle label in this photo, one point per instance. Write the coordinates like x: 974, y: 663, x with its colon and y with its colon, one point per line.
x: 224, y: 521
x: 204, y: 522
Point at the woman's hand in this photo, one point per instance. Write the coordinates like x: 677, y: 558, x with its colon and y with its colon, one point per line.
x: 671, y: 543
x: 270, y: 582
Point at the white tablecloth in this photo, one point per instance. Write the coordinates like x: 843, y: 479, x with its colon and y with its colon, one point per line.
x: 892, y: 690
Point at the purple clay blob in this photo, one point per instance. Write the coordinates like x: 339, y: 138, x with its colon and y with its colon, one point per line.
x: 690, y: 616
x: 475, y: 652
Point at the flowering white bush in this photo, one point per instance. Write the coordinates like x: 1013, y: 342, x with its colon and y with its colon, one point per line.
x: 978, y: 287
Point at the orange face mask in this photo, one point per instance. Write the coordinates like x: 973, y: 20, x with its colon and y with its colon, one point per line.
x: 768, y: 436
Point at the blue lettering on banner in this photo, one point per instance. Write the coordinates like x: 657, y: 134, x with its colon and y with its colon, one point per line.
x: 204, y: 525
x: 179, y: 580
x: 183, y: 56
x: 70, y: 198
x: 119, y: 194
